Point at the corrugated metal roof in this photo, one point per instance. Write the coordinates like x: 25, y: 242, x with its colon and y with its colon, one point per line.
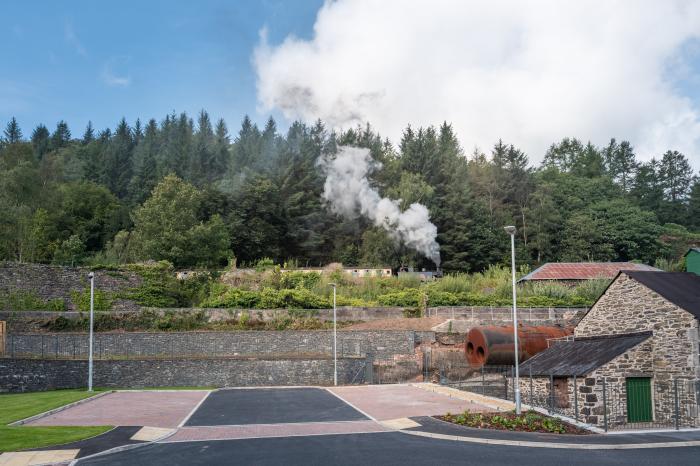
x: 581, y: 356
x: 680, y: 288
x: 583, y: 270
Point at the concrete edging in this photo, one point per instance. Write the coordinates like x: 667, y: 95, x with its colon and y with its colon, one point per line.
x: 567, y: 446
x: 59, y: 409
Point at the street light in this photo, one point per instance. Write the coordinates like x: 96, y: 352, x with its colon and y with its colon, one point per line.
x: 335, y: 340
x: 91, y: 276
x: 511, y: 231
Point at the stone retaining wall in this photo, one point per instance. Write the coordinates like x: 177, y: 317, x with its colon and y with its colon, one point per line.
x: 465, y: 317
x: 49, y: 282
x: 381, y: 343
x: 18, y: 375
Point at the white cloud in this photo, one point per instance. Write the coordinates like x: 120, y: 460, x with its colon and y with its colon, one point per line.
x: 529, y: 72
x: 73, y: 40
x: 111, y: 77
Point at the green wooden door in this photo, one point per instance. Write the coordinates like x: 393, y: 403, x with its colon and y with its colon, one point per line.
x: 639, y: 399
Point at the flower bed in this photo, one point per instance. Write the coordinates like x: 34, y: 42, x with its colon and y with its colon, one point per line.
x: 530, y: 421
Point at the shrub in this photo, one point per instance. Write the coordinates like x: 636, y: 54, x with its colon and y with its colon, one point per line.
x: 81, y: 299
x: 297, y: 279
x: 29, y: 301
x: 406, y: 298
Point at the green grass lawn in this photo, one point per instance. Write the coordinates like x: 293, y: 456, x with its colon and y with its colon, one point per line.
x: 22, y: 438
x: 16, y: 406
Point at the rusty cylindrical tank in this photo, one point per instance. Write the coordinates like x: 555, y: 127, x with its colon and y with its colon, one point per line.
x: 493, y: 345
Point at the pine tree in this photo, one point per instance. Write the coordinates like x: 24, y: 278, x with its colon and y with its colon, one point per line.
x: 118, y: 162
x: 199, y: 169
x: 89, y: 134
x: 13, y: 133
x: 61, y: 136
x: 221, y: 154
x: 621, y: 163
x: 676, y: 173
x: 145, y: 165
x: 40, y: 141
x: 694, y: 205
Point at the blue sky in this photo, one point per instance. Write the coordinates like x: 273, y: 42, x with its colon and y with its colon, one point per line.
x: 99, y: 61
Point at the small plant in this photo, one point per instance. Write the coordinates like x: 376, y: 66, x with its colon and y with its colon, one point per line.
x: 530, y: 421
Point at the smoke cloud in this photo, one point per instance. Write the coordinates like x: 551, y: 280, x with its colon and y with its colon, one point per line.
x: 349, y: 194
x: 530, y: 72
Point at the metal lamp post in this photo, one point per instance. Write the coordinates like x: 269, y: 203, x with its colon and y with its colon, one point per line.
x: 91, y: 276
x: 335, y: 339
x: 511, y: 231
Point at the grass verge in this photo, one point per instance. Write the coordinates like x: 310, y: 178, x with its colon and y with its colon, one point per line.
x: 16, y: 406
x: 25, y: 437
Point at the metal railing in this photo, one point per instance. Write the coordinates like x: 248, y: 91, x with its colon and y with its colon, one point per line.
x: 604, y: 402
x: 175, y: 345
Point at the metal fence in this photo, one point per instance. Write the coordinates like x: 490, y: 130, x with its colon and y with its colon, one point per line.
x: 609, y: 403
x: 193, y: 345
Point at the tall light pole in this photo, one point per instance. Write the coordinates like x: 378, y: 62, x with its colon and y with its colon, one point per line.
x: 335, y: 339
x: 91, y: 276
x: 511, y: 231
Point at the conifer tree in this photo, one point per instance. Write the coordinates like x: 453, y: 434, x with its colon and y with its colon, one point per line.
x: 13, y: 133
x: 89, y: 134
x: 61, y: 136
x: 40, y: 141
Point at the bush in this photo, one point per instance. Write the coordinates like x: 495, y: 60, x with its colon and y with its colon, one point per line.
x: 297, y: 279
x: 29, y: 301
x: 406, y: 298
x: 81, y: 299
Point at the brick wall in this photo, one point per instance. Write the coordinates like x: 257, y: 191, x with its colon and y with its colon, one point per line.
x: 17, y: 375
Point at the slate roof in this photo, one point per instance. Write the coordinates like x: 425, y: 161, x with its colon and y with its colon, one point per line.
x: 582, y: 270
x: 581, y: 356
x: 680, y: 288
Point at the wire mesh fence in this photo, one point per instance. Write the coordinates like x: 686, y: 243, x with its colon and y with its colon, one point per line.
x: 184, y: 345
x: 611, y: 403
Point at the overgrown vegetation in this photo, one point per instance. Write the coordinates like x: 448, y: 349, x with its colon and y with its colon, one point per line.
x: 178, y: 321
x: 19, y: 300
x: 530, y: 421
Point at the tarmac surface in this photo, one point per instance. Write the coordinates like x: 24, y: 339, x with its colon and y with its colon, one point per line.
x: 272, y: 406
x: 388, y: 448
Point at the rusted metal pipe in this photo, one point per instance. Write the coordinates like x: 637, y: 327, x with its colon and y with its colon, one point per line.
x: 494, y: 345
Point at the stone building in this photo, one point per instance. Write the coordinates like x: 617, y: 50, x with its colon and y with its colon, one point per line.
x: 638, y: 343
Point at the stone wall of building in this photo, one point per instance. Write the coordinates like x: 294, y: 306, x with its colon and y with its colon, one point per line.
x: 628, y: 306
x: 18, y: 375
x: 381, y: 343
x: 49, y: 282
x: 637, y: 362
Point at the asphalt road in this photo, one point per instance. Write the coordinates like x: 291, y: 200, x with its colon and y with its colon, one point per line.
x: 272, y: 406
x: 391, y: 448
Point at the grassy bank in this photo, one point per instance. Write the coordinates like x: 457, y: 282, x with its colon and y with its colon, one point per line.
x: 16, y: 406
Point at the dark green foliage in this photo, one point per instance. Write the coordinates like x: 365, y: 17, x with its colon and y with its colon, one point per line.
x: 102, y: 301
x: 12, y: 133
x: 95, y: 199
x: 28, y: 301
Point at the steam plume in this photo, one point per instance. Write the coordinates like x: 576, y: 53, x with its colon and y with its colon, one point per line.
x: 349, y: 193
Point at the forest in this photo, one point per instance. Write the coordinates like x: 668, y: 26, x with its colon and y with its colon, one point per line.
x: 188, y: 191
